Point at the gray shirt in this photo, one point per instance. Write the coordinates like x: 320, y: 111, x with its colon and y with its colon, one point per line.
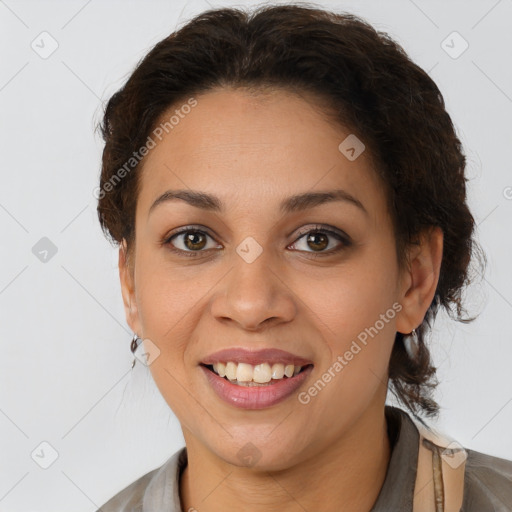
x: 487, y: 485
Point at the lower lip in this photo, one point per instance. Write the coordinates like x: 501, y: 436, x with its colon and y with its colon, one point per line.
x: 255, y: 397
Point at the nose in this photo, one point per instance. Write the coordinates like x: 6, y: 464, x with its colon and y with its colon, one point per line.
x: 254, y: 295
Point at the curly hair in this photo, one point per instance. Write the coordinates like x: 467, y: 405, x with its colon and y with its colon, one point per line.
x: 363, y: 80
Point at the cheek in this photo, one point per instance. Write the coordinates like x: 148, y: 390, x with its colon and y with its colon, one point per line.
x: 161, y: 292
x: 352, y: 298
x: 167, y: 302
x: 168, y: 310
x: 355, y: 312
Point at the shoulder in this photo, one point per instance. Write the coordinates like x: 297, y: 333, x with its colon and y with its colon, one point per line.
x: 487, y: 483
x: 155, y: 490
x: 131, y: 497
x: 487, y: 480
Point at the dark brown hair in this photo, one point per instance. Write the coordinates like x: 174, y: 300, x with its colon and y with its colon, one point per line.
x: 365, y: 81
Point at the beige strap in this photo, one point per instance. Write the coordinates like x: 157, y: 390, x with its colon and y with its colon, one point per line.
x: 440, y: 476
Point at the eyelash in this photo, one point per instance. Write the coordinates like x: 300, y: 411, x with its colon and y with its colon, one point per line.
x: 316, y: 229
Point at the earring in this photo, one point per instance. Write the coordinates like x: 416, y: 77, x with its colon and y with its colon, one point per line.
x: 412, y: 344
x: 134, y: 345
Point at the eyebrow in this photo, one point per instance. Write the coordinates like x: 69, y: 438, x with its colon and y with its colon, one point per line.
x: 291, y: 204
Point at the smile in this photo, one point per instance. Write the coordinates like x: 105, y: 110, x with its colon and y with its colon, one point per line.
x: 244, y: 374
x: 247, y: 394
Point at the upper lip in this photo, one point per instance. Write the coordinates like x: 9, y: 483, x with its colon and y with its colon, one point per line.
x: 254, y: 357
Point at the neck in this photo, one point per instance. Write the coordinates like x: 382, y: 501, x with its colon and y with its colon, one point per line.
x: 345, y: 476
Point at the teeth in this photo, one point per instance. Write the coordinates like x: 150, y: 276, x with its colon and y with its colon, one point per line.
x: 231, y: 370
x: 247, y: 374
x: 262, y: 373
x: 221, y: 369
x: 277, y: 371
x: 244, y: 372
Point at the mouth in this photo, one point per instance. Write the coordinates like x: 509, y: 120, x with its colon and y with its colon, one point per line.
x: 262, y: 374
x: 255, y: 379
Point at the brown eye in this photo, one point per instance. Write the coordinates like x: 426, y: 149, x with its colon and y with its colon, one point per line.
x: 190, y: 242
x: 317, y: 241
x: 194, y: 240
x: 321, y: 241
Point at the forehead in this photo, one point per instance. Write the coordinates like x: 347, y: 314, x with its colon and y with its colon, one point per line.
x: 240, y: 145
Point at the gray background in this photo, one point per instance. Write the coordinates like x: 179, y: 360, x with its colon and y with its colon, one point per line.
x: 65, y: 365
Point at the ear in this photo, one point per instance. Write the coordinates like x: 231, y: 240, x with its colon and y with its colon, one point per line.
x: 419, y: 280
x: 127, y: 278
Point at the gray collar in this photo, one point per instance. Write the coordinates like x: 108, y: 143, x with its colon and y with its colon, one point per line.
x: 397, y: 492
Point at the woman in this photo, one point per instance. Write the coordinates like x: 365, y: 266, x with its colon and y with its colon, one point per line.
x: 288, y: 195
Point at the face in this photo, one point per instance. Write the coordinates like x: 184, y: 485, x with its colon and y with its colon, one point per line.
x: 253, y: 271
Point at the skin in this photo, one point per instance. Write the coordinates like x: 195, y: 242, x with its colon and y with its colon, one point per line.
x: 253, y: 151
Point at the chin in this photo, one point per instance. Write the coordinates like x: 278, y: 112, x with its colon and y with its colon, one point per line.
x: 258, y: 452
